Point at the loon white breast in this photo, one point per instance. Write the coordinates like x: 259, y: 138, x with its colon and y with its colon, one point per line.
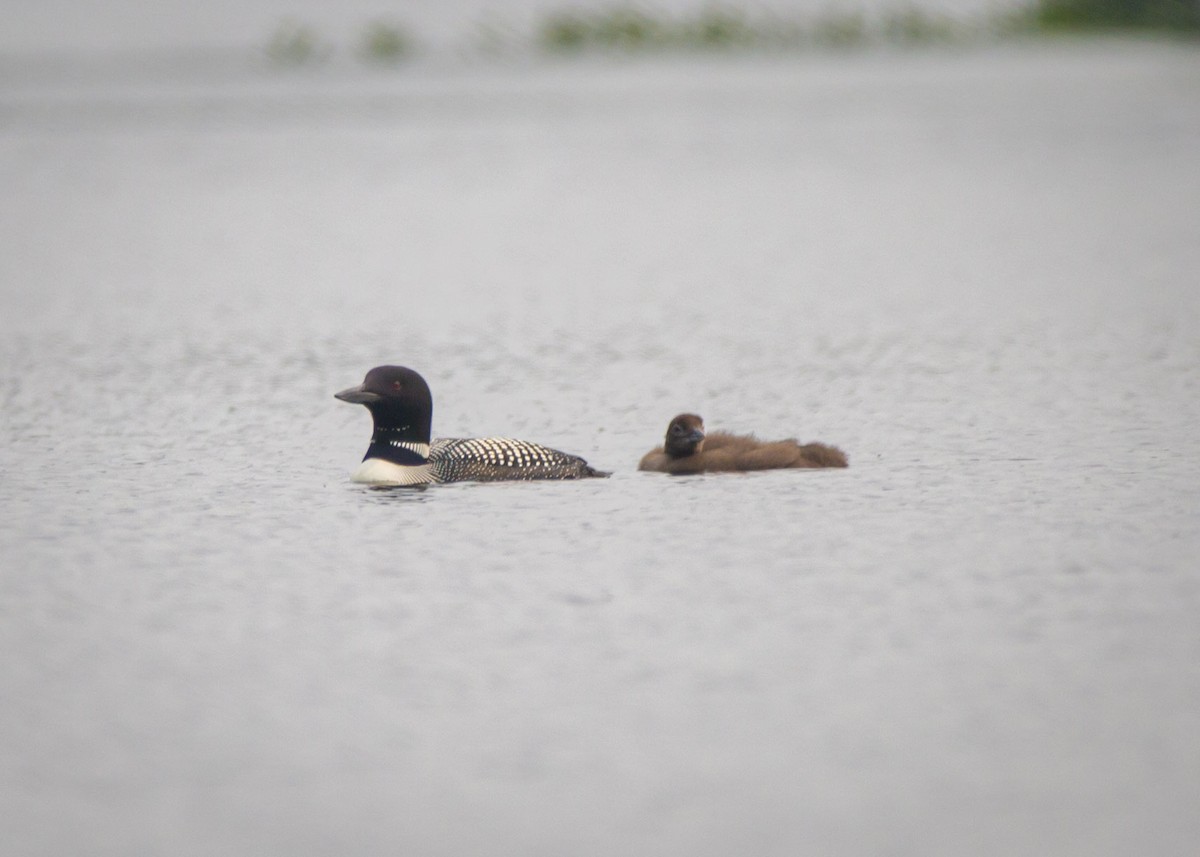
x: 401, y: 452
x: 380, y: 471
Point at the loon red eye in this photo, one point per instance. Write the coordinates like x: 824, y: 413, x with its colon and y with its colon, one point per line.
x: 396, y: 385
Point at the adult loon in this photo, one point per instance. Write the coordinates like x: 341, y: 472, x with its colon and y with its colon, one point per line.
x: 688, y: 449
x: 401, y: 452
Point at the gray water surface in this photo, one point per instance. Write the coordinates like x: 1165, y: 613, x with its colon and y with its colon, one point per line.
x: 975, y: 272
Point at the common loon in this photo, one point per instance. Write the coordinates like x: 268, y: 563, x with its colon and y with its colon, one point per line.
x: 401, y: 452
x: 687, y: 449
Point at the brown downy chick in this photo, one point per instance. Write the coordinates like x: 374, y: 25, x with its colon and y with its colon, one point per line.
x: 687, y: 448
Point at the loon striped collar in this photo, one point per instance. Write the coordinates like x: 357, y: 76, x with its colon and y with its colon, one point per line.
x: 421, y: 449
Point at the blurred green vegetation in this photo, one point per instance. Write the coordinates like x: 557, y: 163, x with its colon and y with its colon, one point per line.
x: 840, y: 30
x: 1173, y: 15
x: 623, y: 28
x: 295, y: 43
x: 385, y: 42
x: 627, y: 28
x: 717, y: 27
x: 917, y: 26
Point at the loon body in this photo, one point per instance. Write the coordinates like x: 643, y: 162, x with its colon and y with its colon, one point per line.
x: 689, y: 449
x: 401, y: 452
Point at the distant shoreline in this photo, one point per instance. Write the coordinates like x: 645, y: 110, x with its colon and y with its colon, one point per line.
x: 623, y: 28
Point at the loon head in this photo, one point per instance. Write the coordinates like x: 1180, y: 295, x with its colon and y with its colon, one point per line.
x: 399, y: 401
x: 685, y: 436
